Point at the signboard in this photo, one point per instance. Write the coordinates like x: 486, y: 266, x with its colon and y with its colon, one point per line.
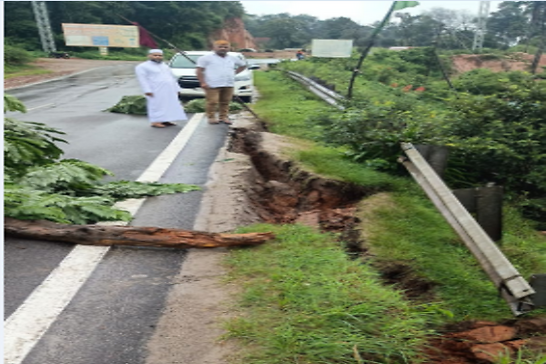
x: 332, y: 48
x: 101, y: 35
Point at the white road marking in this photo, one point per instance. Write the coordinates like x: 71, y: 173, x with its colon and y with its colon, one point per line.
x: 26, y: 326
x: 40, y: 107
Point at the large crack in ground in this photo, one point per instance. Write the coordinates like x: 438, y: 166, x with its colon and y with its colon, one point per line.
x: 274, y: 189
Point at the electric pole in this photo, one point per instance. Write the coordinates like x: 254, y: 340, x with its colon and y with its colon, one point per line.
x: 538, y: 21
x: 44, y: 28
x: 480, y: 31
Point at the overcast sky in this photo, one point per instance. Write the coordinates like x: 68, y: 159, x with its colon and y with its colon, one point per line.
x: 362, y: 12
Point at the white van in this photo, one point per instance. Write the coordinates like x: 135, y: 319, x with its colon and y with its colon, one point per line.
x: 184, y: 70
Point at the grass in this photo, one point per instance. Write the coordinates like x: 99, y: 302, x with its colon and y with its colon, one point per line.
x: 112, y: 56
x: 286, y: 109
x: 409, y: 231
x: 304, y: 301
x: 23, y: 70
x: 331, y: 163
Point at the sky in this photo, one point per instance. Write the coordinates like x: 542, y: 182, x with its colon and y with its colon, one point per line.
x: 362, y: 12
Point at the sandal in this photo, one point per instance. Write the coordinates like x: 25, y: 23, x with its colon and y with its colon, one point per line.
x: 168, y: 123
x: 227, y: 121
x: 157, y: 125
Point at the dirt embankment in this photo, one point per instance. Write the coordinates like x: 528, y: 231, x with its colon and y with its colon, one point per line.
x: 515, y: 62
x: 276, y: 54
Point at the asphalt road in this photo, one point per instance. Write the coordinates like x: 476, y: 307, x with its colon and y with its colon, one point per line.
x: 114, y: 313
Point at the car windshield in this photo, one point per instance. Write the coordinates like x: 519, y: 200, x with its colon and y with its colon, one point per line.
x: 183, y: 62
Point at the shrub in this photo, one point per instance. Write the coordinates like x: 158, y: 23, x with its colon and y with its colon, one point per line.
x: 15, y: 56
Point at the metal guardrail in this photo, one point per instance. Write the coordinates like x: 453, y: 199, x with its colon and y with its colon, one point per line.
x: 327, y: 95
x: 511, y: 285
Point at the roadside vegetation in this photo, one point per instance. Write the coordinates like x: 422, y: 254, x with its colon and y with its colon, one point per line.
x: 16, y: 63
x: 305, y: 298
x: 493, y: 123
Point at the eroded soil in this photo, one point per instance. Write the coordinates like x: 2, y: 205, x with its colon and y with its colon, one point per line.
x: 279, y: 191
x: 516, y: 62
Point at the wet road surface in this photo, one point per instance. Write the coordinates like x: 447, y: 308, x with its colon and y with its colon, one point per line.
x: 114, y: 313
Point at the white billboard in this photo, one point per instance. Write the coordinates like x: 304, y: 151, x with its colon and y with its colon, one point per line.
x: 332, y: 48
x: 101, y: 35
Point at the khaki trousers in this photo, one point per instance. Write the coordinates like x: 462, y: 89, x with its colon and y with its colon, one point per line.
x: 219, y: 96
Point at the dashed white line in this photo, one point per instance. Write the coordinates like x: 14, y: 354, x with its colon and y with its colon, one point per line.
x: 40, y: 107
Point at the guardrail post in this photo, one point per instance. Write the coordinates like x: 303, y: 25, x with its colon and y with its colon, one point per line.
x: 486, y: 203
x: 511, y: 285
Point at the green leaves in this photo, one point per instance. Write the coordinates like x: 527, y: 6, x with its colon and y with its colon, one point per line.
x: 121, y: 190
x: 29, y: 204
x: 29, y: 143
x: 11, y: 103
x: 134, y: 104
x: 40, y: 186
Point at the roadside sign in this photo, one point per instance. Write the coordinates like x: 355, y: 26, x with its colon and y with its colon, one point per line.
x: 332, y: 48
x: 101, y: 35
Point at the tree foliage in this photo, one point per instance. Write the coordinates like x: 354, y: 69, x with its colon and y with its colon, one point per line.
x: 187, y: 24
x: 38, y: 184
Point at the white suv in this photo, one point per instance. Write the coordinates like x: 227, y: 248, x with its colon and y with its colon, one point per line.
x: 184, y: 71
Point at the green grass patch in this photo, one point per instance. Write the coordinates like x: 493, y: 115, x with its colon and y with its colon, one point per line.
x: 332, y: 163
x: 305, y: 302
x: 112, y: 56
x: 286, y: 109
x: 11, y: 71
x: 411, y: 232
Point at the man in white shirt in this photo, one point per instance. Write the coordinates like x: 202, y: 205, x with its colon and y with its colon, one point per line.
x: 216, y: 73
x: 161, y: 90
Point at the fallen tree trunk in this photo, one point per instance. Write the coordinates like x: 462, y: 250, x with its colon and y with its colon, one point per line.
x: 128, y: 235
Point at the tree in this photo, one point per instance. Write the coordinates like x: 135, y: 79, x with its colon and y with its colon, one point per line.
x: 509, y: 24
x: 174, y: 25
x: 285, y: 31
x: 336, y: 28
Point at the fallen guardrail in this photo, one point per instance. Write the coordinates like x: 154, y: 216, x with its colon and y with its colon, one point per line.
x: 511, y: 285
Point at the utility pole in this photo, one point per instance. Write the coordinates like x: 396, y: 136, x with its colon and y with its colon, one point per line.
x: 44, y: 27
x: 539, y: 21
x: 480, y: 31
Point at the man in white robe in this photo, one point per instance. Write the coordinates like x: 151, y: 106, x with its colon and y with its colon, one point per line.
x: 161, y: 90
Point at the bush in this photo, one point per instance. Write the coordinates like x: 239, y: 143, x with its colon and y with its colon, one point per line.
x: 15, y: 56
